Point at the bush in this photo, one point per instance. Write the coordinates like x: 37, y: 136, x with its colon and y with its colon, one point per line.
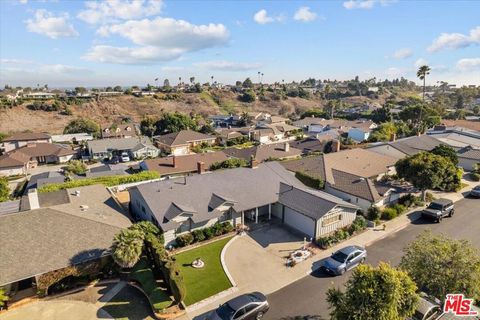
x: 184, y: 239
x: 107, y: 181
x: 358, y: 224
x: 407, y: 200
x: 399, y: 208
x: 373, y: 213
x: 429, y: 197
x: 312, y: 182
x: 198, y: 235
x: 76, y: 166
x: 229, y: 163
x: 389, y: 213
x: 475, y: 176
x: 227, y: 227
x: 208, y: 233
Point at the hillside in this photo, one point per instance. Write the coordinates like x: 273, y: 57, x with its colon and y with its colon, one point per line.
x: 107, y: 110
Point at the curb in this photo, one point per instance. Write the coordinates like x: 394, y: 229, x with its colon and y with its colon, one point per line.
x: 222, y: 261
x: 211, y: 299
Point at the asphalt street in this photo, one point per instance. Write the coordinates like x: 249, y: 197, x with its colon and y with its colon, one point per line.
x: 305, y: 299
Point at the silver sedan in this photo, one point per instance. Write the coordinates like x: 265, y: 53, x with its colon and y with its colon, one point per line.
x: 344, y: 259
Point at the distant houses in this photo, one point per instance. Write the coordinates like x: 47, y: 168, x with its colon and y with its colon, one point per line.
x: 182, y: 142
x: 136, y: 148
x: 21, y: 139
x: 358, y: 130
x: 124, y: 130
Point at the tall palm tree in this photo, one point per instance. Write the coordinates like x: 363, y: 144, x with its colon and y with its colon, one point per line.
x: 127, y: 247
x: 422, y: 73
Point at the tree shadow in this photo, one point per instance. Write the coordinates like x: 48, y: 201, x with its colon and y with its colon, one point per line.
x: 87, y: 256
x: 128, y: 303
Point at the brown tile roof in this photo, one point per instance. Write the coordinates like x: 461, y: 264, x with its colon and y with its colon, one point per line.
x: 22, y: 155
x: 184, y: 164
x: 469, y: 124
x: 313, y: 166
x: 358, y: 186
x: 182, y: 138
x: 26, y: 136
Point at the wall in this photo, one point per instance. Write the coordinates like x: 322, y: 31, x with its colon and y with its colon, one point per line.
x: 347, y: 217
x: 358, y: 135
x: 467, y: 164
x: 12, y: 171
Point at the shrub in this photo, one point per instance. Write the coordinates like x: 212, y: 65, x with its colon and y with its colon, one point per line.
x: 198, y: 235
x: 429, y: 197
x: 229, y: 163
x: 407, y: 200
x: 312, y: 182
x: 357, y: 225
x: 208, y: 233
x: 76, y: 166
x: 373, y: 213
x: 389, y: 214
x: 399, y: 208
x: 227, y: 227
x: 184, y: 239
x: 475, y: 176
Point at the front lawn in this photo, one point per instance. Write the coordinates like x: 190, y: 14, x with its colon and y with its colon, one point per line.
x: 207, y: 281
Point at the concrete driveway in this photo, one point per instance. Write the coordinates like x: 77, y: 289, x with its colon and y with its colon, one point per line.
x: 257, y: 260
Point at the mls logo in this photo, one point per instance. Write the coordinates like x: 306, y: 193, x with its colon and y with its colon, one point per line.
x: 459, y: 305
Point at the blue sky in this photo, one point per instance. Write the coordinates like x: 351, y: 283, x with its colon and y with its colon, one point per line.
x: 99, y: 43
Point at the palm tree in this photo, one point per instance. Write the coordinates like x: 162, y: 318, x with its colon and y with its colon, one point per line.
x: 127, y: 247
x: 327, y: 91
x: 422, y: 73
x: 179, y: 80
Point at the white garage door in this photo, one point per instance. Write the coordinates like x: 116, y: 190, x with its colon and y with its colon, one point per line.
x: 180, y: 151
x: 300, y: 222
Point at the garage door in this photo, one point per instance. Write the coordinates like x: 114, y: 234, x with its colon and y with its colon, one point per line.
x: 299, y: 222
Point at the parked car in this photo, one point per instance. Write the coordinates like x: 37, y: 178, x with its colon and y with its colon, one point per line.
x: 475, y: 192
x: 125, y: 157
x: 344, y: 259
x: 427, y: 309
x: 251, y: 306
x: 438, y: 209
x: 114, y: 160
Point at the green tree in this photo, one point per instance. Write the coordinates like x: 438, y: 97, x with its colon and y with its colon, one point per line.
x: 248, y: 96
x: 381, y: 293
x: 148, y: 127
x: 4, y: 189
x: 384, y: 132
x: 382, y: 114
x: 420, y: 117
x: 83, y: 125
x: 117, y: 89
x: 174, y: 122
x: 247, y: 83
x: 76, y: 167
x: 127, y: 247
x: 145, y: 227
x: 422, y: 73
x: 440, y: 265
x: 426, y: 170
x: 447, y: 152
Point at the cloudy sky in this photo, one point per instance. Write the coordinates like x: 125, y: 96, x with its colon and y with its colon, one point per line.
x: 98, y: 43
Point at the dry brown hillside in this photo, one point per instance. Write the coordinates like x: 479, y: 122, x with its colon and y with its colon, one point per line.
x: 108, y: 110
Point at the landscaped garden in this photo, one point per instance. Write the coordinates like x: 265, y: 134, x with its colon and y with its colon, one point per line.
x: 201, y: 283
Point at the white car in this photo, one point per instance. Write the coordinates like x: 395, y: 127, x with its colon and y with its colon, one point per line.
x: 125, y: 157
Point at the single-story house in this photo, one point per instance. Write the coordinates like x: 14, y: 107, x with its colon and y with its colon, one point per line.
x: 352, y: 175
x: 456, y: 137
x: 315, y: 144
x: 241, y: 196
x: 276, y: 151
x: 358, y: 130
x: 20, y: 160
x: 21, y: 139
x: 124, y: 130
x: 137, y: 148
x: 406, y: 146
x: 56, y: 230
x: 228, y: 134
x: 224, y: 121
x: 468, y: 157
x: 180, y: 143
x: 72, y: 137
x: 180, y: 165
x: 265, y: 133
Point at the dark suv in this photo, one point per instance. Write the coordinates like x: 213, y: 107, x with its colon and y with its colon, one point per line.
x: 438, y: 209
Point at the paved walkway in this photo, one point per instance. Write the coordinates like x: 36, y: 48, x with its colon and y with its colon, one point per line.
x: 256, y: 268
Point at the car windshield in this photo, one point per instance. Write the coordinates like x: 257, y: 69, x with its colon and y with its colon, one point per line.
x: 339, y: 256
x: 477, y: 188
x: 435, y: 206
x: 225, y: 312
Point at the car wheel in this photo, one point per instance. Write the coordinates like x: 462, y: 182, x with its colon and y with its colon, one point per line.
x: 259, y: 315
x: 343, y: 271
x: 451, y: 213
x: 362, y: 261
x: 439, y: 219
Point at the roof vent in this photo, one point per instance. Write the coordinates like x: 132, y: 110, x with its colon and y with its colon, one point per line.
x: 83, y: 207
x: 77, y: 193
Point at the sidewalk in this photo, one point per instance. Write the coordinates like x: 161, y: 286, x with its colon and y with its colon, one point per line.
x: 287, y: 276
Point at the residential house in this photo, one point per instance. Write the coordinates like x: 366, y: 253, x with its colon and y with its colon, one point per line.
x: 225, y: 121
x: 468, y: 157
x: 137, y: 148
x: 56, y: 230
x: 124, y: 130
x: 20, y: 160
x: 318, y: 144
x: 181, y: 165
x: 406, y: 146
x: 358, y: 130
x: 241, y: 196
x: 180, y: 143
x: 265, y: 152
x: 225, y: 135
x: 456, y: 137
x: 274, y: 132
x: 21, y: 139
x: 72, y: 137
x: 353, y: 175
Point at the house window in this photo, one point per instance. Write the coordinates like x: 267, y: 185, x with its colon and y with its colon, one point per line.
x: 332, y: 219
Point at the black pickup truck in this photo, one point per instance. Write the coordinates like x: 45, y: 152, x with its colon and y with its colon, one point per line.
x: 438, y: 209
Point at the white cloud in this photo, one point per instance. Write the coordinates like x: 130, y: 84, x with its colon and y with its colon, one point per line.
x: 172, y: 69
x: 52, y: 26
x: 159, y: 39
x: 114, y: 10
x: 365, y: 4
x: 420, y: 62
x: 455, y: 40
x: 468, y: 64
x: 222, y: 65
x: 262, y: 17
x: 23, y: 1
x: 304, y: 14
x: 403, y: 53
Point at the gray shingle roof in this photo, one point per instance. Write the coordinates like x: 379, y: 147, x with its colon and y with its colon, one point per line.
x: 182, y: 137
x: 469, y: 153
x: 416, y: 144
x: 104, y: 145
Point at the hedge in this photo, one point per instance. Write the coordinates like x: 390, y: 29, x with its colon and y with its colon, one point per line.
x: 204, y: 234
x: 389, y: 213
x: 107, y: 181
x: 357, y: 225
x: 229, y: 164
x: 309, y: 181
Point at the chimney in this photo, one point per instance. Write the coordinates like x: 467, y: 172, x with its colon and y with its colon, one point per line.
x: 174, y: 161
x: 286, y: 147
x: 335, y: 145
x: 393, y: 137
x: 33, y: 199
x: 253, y: 163
x: 200, y: 167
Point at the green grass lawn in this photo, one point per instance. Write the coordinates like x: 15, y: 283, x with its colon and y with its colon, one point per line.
x: 205, y: 282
